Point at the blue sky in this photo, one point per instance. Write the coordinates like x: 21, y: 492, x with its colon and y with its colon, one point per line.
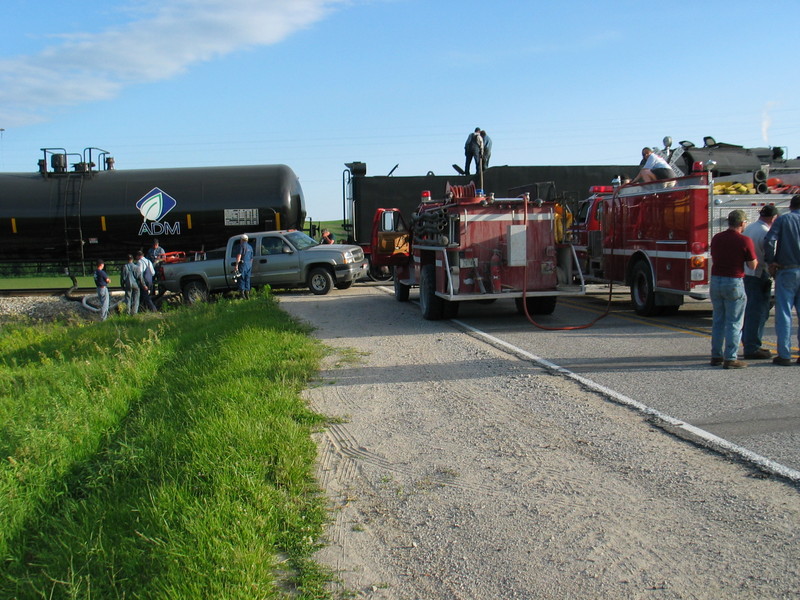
x: 317, y: 83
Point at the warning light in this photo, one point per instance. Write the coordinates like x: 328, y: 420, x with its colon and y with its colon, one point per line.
x: 426, y: 196
x: 601, y: 189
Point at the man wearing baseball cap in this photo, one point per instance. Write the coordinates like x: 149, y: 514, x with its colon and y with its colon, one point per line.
x: 730, y: 251
x: 758, y: 287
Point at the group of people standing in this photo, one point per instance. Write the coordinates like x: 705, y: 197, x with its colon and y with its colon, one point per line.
x: 744, y: 263
x: 137, y: 278
x: 478, y: 148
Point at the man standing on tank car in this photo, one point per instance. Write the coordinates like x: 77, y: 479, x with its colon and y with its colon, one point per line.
x: 244, y: 259
x: 473, y: 149
x: 487, y: 149
x: 782, y: 253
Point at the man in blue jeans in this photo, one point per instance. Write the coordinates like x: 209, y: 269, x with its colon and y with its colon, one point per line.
x: 244, y: 259
x: 782, y: 253
x: 758, y: 287
x: 730, y: 252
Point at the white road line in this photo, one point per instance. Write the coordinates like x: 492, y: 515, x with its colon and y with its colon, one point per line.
x: 671, y: 424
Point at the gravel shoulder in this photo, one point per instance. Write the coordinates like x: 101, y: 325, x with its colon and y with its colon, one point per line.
x: 459, y: 471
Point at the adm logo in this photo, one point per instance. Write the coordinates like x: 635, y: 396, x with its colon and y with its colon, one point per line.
x: 153, y: 207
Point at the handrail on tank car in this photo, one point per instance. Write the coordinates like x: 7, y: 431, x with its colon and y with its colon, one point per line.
x: 83, y: 162
x: 103, y: 157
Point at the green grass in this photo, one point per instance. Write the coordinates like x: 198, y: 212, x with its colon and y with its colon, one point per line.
x: 160, y: 456
x: 45, y: 282
x: 334, y: 226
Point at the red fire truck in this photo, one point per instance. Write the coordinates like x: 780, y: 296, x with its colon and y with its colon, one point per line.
x: 655, y: 237
x: 472, y: 247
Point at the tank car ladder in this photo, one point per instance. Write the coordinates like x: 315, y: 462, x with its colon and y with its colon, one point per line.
x: 73, y: 228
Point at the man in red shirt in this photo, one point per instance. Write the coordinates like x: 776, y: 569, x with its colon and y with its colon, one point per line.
x: 730, y: 251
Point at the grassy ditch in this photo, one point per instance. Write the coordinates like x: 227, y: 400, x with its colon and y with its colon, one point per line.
x: 160, y: 456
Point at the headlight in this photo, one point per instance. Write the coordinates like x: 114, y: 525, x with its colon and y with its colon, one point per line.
x: 348, y: 258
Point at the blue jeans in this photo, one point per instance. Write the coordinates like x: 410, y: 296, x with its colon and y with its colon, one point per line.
x: 758, y: 291
x: 132, y: 296
x: 728, y: 300
x: 787, y: 295
x: 244, y: 282
x: 102, y: 296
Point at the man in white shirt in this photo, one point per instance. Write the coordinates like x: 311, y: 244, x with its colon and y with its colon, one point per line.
x: 757, y: 287
x: 654, y: 168
x: 148, y: 274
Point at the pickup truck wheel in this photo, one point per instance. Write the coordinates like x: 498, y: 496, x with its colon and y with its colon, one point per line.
x: 432, y: 306
x: 320, y: 281
x: 643, y: 296
x: 343, y: 285
x: 195, y: 291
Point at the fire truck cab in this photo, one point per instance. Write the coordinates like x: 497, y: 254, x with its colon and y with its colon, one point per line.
x: 473, y: 247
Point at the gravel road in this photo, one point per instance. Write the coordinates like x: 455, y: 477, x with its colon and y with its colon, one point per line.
x: 459, y: 471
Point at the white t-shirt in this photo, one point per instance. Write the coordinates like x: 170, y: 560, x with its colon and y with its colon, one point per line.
x: 654, y: 161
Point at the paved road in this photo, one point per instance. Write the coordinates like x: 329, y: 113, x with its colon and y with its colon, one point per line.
x: 663, y: 363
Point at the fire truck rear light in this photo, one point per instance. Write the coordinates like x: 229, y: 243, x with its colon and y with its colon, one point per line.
x: 698, y: 247
x: 698, y: 274
x: 601, y: 189
x: 426, y: 196
x: 698, y: 262
x: 697, y: 166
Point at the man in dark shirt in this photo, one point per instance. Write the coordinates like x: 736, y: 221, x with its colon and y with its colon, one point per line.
x: 101, y: 281
x: 730, y: 251
x: 782, y: 253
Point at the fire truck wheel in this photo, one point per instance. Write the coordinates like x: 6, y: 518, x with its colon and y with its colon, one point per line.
x: 432, y: 306
x: 401, y: 290
x: 450, y: 309
x: 320, y: 281
x: 194, y: 291
x: 537, y: 305
x: 643, y: 296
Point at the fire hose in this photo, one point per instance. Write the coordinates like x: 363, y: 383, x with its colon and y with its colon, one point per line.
x: 566, y: 327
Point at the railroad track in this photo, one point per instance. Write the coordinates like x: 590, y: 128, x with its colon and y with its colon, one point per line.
x: 21, y: 292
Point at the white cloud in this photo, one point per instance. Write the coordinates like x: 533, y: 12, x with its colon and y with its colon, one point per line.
x: 164, y: 41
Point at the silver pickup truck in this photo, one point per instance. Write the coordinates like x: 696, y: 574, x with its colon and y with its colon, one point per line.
x: 280, y: 259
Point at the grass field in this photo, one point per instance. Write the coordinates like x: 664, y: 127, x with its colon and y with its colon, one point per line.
x: 166, y: 455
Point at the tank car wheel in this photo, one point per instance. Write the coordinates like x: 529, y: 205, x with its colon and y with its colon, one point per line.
x: 195, y: 291
x: 401, y: 290
x: 643, y: 296
x: 432, y: 306
x: 320, y: 281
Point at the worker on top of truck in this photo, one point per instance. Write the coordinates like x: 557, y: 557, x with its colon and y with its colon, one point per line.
x: 654, y: 168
